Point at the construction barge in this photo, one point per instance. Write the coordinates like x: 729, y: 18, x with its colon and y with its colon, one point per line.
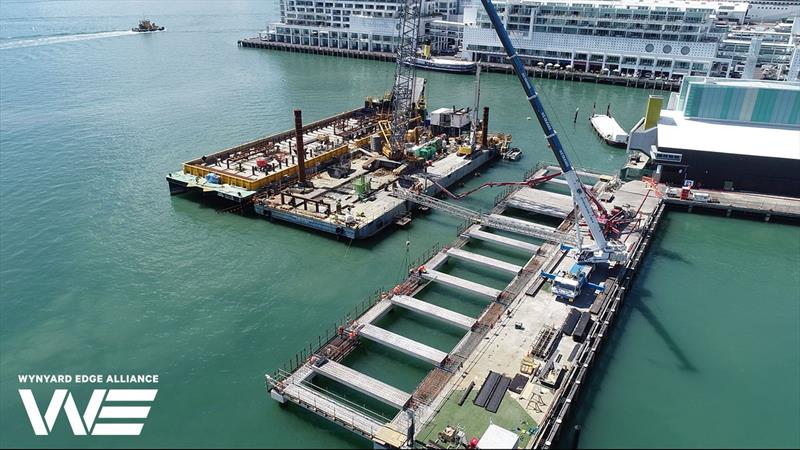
x: 333, y: 175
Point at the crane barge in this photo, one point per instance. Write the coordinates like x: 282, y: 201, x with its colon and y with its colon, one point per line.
x: 603, y: 250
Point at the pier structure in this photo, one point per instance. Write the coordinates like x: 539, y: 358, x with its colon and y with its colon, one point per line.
x: 484, y: 340
x: 524, y: 332
x: 533, y: 71
x: 738, y: 204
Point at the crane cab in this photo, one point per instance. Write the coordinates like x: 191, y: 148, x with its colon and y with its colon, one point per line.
x: 569, y: 284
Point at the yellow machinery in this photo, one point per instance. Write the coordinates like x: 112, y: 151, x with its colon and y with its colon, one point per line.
x: 411, y: 135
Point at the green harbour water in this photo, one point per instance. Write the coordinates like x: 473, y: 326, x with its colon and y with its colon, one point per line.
x: 101, y: 271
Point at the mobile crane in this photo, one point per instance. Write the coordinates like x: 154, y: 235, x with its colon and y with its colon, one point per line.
x: 603, y: 250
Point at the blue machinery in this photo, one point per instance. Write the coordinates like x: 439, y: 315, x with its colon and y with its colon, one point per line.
x: 603, y: 250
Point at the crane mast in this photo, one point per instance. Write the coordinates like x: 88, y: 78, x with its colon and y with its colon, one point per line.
x: 603, y: 250
x: 403, y: 108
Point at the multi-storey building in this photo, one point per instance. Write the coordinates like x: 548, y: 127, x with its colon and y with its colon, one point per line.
x: 629, y: 36
x: 668, y: 38
x: 445, y: 36
x: 772, y: 10
x: 772, y: 48
x: 367, y: 25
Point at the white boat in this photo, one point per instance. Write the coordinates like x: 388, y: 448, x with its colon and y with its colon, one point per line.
x: 443, y: 64
x: 513, y: 155
x: 609, y: 130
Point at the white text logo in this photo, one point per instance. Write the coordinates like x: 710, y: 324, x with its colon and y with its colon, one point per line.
x: 100, y: 406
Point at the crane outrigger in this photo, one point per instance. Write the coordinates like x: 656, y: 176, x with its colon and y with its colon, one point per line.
x: 603, y: 250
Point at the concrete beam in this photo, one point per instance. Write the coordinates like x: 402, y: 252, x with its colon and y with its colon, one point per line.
x: 436, y: 312
x: 502, y: 240
x: 362, y: 383
x: 403, y: 344
x: 462, y: 284
x: 484, y: 260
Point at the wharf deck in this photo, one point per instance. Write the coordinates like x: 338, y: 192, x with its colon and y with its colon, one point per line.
x: 484, y: 260
x: 532, y: 70
x: 462, y: 284
x: 332, y: 409
x: 541, y: 202
x: 768, y: 205
x: 494, y: 342
x: 476, y: 233
x: 363, y: 383
x: 403, y: 344
x: 436, y: 312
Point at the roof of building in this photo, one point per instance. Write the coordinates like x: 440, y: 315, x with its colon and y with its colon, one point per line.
x: 739, y: 138
x: 498, y: 438
x: 764, y: 84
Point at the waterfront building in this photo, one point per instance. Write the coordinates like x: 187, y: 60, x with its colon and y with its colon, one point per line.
x: 365, y: 25
x: 772, y: 10
x: 444, y: 36
x: 642, y: 38
x: 725, y: 134
x: 633, y: 37
x: 771, y: 48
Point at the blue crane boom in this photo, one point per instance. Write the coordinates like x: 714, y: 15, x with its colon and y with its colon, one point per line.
x: 603, y: 250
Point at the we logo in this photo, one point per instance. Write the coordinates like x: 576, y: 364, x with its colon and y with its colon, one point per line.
x: 87, y: 423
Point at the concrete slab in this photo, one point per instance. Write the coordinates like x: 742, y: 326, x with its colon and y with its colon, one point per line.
x: 476, y: 233
x: 541, y: 202
x: 403, y: 344
x: 363, y: 383
x: 462, y: 284
x: 484, y: 260
x: 433, y: 311
x: 526, y: 228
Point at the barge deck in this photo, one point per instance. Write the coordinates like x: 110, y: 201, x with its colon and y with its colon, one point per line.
x: 332, y: 176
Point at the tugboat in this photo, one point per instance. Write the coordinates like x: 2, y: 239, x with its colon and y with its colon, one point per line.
x: 145, y: 26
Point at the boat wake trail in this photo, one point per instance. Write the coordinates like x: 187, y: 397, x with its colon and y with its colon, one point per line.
x: 60, y: 39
